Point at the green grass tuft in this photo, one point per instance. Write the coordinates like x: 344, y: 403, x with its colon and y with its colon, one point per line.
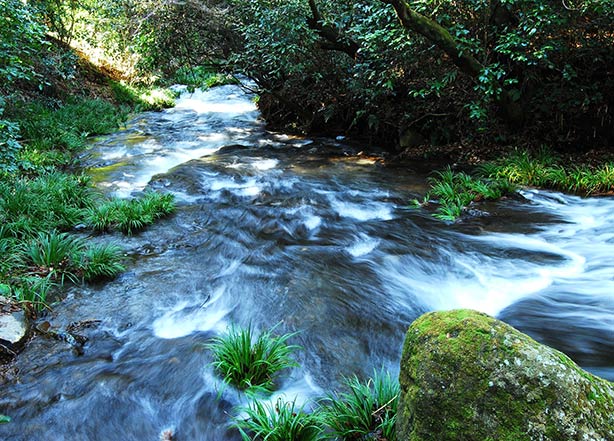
x: 456, y: 190
x: 158, y: 205
x: 52, y: 201
x: 142, y: 98
x: 102, y: 261
x: 129, y: 216
x: 251, y: 363
x: 542, y: 170
x: 366, y: 411
x: 55, y: 255
x: 101, y: 217
x: 32, y: 291
x: 282, y: 421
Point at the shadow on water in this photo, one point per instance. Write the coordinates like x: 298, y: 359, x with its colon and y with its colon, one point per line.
x: 306, y: 234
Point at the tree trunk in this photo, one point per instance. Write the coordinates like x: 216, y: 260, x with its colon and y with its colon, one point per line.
x: 331, y: 36
x: 440, y: 36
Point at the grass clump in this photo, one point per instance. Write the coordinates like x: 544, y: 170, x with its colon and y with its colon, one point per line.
x: 61, y: 255
x: 202, y: 77
x: 142, y: 98
x: 51, y: 129
x: 29, y: 270
x: 41, y: 204
x: 456, y: 190
x: 48, y: 202
x: 542, y: 169
x: 158, y: 205
x: 367, y: 411
x: 11, y: 255
x: 281, y: 421
x: 129, y: 216
x: 32, y: 292
x: 102, y: 261
x: 38, y: 251
x: 251, y: 363
x: 55, y: 255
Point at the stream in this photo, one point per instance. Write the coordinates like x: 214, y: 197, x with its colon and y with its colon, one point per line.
x: 310, y: 235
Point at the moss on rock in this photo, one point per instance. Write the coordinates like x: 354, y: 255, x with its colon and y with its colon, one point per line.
x: 467, y: 376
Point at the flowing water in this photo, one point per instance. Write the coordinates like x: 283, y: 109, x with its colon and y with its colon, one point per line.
x: 311, y: 236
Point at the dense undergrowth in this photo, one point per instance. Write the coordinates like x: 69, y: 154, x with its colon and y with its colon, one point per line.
x: 545, y: 170
x: 202, y: 77
x: 456, y: 192
x: 142, y: 98
x: 405, y: 73
x: 39, y: 245
x: 50, y: 214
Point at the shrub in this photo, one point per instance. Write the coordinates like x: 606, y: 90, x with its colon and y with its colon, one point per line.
x: 279, y: 422
x: 251, y: 363
x: 367, y: 411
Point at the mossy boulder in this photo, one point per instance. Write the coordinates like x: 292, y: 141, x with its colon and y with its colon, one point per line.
x: 467, y: 376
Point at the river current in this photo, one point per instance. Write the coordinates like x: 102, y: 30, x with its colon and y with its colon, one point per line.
x: 309, y: 235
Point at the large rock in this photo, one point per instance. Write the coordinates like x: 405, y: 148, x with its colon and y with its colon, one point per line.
x: 467, y: 376
x: 14, y: 328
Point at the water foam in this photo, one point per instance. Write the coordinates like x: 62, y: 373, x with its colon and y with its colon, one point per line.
x: 362, y: 246
x: 186, y: 318
x: 362, y: 211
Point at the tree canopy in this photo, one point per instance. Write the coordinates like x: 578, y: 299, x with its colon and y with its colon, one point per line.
x: 436, y: 71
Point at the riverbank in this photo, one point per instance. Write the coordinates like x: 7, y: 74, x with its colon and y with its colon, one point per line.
x: 51, y: 214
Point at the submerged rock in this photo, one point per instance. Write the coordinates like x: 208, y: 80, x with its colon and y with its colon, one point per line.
x: 467, y: 376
